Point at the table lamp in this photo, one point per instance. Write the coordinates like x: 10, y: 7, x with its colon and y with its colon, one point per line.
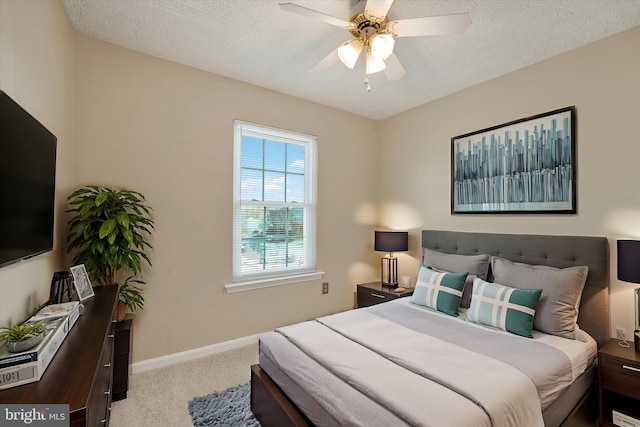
x: 629, y: 271
x: 390, y: 241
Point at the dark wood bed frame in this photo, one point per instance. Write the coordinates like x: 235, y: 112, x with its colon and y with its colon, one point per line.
x: 274, y: 409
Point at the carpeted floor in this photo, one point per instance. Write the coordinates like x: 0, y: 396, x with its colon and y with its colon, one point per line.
x: 227, y: 408
x: 160, y: 397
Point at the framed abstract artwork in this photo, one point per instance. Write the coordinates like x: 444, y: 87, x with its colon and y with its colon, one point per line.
x: 524, y: 166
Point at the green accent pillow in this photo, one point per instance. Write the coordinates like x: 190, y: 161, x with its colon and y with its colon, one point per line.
x: 439, y: 290
x: 509, y: 309
x: 475, y: 265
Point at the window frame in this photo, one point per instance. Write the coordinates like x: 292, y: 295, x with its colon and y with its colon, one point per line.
x: 246, y: 281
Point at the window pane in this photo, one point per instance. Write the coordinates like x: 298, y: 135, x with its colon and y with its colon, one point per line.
x: 295, y: 158
x: 252, y: 221
x: 251, y: 185
x: 253, y: 239
x: 251, y: 152
x: 295, y: 254
x: 274, y: 186
x: 295, y: 188
x: 274, y: 156
x: 276, y: 223
x: 275, y: 256
x: 296, y: 223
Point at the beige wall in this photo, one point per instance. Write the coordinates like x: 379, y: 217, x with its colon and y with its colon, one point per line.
x: 36, y: 70
x: 166, y: 130
x: 601, y: 80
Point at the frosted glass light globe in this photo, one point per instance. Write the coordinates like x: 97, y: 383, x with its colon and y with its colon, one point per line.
x: 349, y: 52
x: 382, y: 46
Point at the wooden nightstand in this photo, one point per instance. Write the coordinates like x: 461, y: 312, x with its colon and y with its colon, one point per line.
x: 374, y: 293
x: 619, y: 374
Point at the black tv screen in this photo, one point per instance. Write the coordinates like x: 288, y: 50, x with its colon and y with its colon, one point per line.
x: 27, y: 184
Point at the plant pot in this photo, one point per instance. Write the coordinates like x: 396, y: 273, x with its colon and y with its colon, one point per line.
x: 24, y: 345
x: 121, y: 311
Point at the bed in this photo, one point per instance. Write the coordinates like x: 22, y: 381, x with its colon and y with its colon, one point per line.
x: 385, y: 365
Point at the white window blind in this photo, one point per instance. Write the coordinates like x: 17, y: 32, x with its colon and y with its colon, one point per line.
x: 274, y: 203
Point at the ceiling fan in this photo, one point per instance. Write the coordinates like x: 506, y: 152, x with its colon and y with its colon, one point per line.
x: 374, y: 33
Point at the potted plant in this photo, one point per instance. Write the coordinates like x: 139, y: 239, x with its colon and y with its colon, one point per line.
x: 109, y: 230
x: 130, y: 296
x: 23, y: 337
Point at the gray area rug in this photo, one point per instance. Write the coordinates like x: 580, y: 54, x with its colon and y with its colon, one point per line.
x: 227, y: 408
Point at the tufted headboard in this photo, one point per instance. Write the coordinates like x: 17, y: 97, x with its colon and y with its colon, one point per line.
x: 554, y: 251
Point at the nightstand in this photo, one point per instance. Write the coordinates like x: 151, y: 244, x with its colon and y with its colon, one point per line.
x: 619, y: 374
x: 374, y: 293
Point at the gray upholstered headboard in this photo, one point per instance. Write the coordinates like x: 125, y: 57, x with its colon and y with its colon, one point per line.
x: 554, y: 251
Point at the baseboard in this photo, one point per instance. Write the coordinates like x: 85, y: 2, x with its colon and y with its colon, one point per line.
x: 196, y: 353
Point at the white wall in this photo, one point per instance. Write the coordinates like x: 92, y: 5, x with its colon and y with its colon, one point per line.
x: 36, y: 71
x: 601, y: 80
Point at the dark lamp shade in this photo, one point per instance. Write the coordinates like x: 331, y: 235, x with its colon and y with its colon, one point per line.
x: 391, y: 241
x: 629, y: 261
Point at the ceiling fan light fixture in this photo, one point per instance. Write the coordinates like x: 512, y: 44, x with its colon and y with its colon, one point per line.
x: 375, y: 33
x: 349, y: 52
x: 381, y: 45
x: 374, y: 65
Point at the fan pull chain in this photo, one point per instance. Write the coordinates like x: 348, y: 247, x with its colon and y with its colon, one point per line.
x: 366, y: 81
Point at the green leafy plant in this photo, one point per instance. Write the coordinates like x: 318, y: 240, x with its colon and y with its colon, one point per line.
x: 131, y: 295
x: 109, y: 232
x: 22, y: 332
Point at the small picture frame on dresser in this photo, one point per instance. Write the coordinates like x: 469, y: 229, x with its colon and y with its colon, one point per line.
x: 81, y: 282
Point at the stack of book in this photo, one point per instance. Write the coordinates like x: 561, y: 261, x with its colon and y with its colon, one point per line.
x: 29, y: 366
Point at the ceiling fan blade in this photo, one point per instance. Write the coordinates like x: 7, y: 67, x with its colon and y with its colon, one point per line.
x: 326, y: 62
x: 377, y: 8
x: 394, y: 70
x: 305, y: 11
x: 431, y: 25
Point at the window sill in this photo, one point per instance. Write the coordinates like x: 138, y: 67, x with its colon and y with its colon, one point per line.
x: 276, y: 281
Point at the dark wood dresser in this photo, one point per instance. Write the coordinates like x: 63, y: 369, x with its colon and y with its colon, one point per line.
x: 80, y: 373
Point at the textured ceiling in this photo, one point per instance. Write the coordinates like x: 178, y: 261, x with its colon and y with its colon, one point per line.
x: 256, y: 42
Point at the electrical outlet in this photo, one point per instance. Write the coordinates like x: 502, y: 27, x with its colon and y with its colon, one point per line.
x: 621, y: 333
x: 406, y: 281
x: 325, y: 288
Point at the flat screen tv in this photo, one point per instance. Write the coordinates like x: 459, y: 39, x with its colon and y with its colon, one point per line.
x: 27, y: 184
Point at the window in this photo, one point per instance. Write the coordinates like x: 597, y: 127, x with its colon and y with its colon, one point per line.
x: 274, y: 206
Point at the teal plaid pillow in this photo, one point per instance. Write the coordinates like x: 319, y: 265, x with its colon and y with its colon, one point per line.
x: 509, y: 309
x: 439, y: 290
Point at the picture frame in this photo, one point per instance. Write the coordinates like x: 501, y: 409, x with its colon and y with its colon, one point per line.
x: 521, y: 167
x: 81, y: 282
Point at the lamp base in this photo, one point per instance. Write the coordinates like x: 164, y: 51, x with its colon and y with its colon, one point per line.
x: 389, y: 271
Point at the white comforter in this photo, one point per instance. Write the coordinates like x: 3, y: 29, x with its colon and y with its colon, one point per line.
x: 421, y: 377
x: 424, y: 380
